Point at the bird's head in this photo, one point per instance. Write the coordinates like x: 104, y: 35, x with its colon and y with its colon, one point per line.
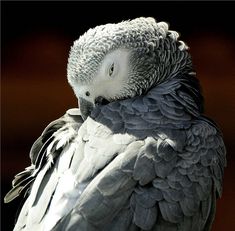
x: 118, y: 61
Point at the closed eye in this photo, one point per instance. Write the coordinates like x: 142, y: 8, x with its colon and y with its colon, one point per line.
x: 111, y: 69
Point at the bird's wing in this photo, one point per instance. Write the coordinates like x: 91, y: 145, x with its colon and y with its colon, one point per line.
x: 44, y: 153
x: 169, y: 180
x: 23, y: 180
x: 187, y: 179
x: 107, y: 194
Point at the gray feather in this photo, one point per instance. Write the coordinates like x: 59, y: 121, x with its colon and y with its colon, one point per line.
x: 145, y: 218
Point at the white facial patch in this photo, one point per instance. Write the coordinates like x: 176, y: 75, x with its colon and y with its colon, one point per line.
x: 110, y: 80
x: 112, y: 76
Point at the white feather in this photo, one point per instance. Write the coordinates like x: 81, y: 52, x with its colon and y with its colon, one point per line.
x: 64, y: 199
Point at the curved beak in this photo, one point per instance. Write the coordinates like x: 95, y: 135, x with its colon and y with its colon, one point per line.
x: 85, y: 107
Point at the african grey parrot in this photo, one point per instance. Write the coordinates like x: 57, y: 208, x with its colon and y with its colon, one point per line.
x: 137, y: 154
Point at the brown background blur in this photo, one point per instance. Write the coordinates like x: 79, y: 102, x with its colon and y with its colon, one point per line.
x: 36, y: 38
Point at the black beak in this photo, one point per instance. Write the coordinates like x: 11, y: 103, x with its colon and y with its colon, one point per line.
x: 101, y: 101
x: 85, y: 107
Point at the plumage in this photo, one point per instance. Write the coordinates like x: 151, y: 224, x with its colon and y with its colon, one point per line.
x: 138, y: 153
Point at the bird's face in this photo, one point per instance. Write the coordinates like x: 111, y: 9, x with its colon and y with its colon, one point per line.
x: 118, y: 61
x: 108, y: 83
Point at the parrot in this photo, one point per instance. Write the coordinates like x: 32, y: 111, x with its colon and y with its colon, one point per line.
x: 137, y: 153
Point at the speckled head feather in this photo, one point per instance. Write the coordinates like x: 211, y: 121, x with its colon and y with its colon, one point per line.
x: 154, y: 48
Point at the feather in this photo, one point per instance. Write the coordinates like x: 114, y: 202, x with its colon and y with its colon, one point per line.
x: 18, y: 189
x: 145, y: 218
x: 144, y: 198
x: 164, y: 168
x: 171, y: 211
x: 144, y: 170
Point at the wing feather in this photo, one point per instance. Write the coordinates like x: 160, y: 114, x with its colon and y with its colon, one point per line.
x: 44, y: 154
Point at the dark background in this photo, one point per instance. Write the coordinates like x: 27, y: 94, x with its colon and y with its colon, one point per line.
x: 36, y: 38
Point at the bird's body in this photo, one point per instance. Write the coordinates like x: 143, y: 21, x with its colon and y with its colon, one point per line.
x: 147, y: 159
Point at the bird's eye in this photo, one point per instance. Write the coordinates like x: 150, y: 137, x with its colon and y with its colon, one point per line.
x: 111, y: 69
x: 87, y: 93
